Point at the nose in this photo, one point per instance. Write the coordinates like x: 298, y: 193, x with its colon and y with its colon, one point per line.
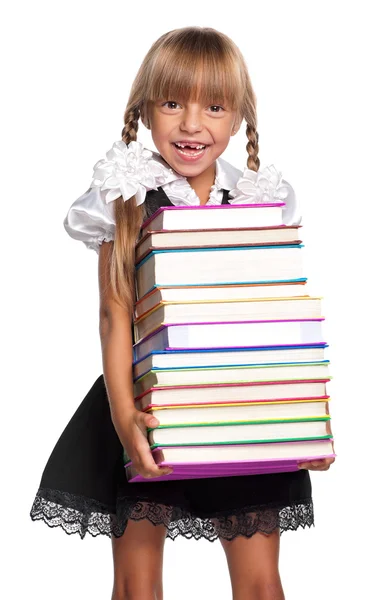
x: 191, y: 120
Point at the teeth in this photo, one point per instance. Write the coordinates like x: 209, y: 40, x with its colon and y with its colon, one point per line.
x: 191, y: 153
x: 196, y: 146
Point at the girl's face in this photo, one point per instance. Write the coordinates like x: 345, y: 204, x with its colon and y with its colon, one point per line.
x: 174, y: 124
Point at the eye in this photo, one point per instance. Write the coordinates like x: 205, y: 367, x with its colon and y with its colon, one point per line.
x: 169, y: 102
x: 217, y: 106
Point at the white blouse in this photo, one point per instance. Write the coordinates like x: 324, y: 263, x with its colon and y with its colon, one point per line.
x: 91, y: 219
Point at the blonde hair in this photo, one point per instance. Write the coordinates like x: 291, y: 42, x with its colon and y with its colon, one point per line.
x: 190, y: 63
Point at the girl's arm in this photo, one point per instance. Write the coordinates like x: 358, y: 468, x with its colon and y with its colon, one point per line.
x: 116, y: 341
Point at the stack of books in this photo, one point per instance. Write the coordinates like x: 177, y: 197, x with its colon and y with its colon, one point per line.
x: 229, y: 352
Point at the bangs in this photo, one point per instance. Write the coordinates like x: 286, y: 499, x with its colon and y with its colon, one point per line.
x: 197, y: 70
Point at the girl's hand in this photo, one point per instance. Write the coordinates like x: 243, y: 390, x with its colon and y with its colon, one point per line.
x: 317, y: 465
x: 133, y: 437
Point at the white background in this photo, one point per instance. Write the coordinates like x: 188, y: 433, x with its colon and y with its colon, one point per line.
x: 318, y: 75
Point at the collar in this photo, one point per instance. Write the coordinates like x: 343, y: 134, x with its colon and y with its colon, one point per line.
x: 180, y: 192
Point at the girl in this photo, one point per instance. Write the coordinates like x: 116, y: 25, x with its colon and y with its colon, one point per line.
x: 193, y: 88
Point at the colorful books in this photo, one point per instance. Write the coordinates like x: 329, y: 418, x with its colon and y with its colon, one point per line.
x: 260, y: 309
x: 223, y: 216
x: 234, y: 334
x: 246, y: 411
x: 231, y: 392
x: 216, y: 293
x: 201, y: 238
x: 229, y: 352
x: 231, y: 374
x: 208, y: 266
x: 278, y: 430
x: 201, y: 462
x: 215, y: 357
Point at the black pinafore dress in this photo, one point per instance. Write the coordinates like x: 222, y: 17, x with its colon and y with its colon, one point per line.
x: 83, y: 487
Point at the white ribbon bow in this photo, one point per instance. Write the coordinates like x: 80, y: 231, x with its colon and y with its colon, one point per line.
x: 264, y: 186
x: 130, y: 170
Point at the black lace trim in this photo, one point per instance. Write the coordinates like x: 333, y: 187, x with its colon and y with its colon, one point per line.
x: 78, y: 514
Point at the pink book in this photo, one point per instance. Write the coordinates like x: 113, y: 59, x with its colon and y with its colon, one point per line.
x: 297, y: 452
x: 215, y: 216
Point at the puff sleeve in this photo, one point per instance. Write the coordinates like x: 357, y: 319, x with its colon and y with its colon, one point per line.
x: 291, y: 213
x: 91, y: 220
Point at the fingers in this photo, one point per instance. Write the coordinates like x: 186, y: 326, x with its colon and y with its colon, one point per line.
x: 147, y: 467
x: 317, y: 465
x: 150, y: 420
x: 144, y: 420
x: 143, y: 461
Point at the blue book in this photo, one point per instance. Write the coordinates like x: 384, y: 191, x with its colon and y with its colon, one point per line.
x: 219, y: 266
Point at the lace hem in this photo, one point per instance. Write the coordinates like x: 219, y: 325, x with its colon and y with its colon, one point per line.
x: 78, y: 514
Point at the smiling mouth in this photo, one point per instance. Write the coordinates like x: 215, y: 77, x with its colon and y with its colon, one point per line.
x: 190, y: 150
x: 184, y: 145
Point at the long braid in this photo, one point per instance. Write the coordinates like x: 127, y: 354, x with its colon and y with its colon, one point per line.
x: 131, y: 124
x: 252, y: 147
x: 129, y: 218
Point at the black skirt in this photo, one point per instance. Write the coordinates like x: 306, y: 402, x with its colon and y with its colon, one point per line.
x: 84, y: 489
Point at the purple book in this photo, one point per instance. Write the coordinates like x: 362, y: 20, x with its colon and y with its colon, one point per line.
x: 302, y: 451
x: 231, y: 335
